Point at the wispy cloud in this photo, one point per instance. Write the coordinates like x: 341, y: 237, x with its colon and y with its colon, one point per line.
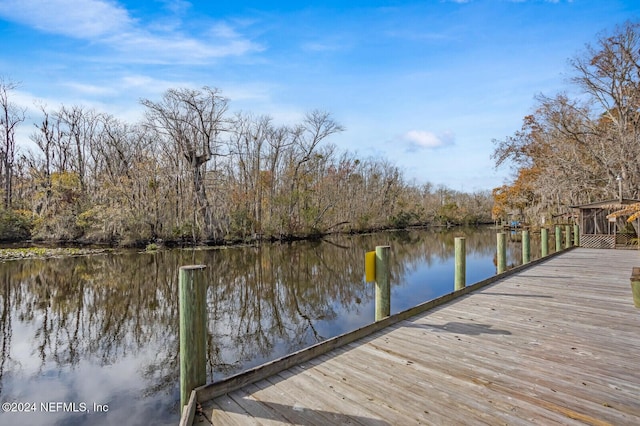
x: 546, y: 1
x: 420, y: 139
x: 87, y: 19
x: 322, y: 47
x: 108, y: 24
x: 142, y: 47
x: 89, y: 89
x: 176, y: 6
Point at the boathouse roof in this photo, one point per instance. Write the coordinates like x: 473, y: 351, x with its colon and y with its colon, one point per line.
x: 615, y: 203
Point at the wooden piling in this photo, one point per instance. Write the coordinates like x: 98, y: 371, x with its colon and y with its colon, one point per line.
x: 567, y: 236
x: 558, y: 238
x: 576, y: 235
x: 502, y: 252
x: 544, y: 242
x: 460, y: 277
x: 526, y: 247
x: 383, y: 287
x: 193, y: 329
x: 635, y: 286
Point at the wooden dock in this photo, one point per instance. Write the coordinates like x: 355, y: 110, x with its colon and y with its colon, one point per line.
x: 557, y: 343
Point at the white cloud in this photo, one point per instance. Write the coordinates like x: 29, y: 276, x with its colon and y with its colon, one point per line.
x: 90, y: 89
x: 74, y: 18
x: 420, y: 139
x: 176, y: 6
x: 108, y: 24
x: 175, y: 48
x: 322, y: 47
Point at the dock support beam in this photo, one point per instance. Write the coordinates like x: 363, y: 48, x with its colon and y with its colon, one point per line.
x: 460, y: 279
x: 544, y: 242
x: 502, y: 252
x: 193, y: 330
x: 576, y: 235
x: 383, y: 287
x: 526, y: 247
x: 558, y: 238
x: 567, y: 236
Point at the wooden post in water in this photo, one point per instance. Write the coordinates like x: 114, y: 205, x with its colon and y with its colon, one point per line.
x: 544, y: 240
x: 460, y: 278
x: 576, y: 235
x: 558, y: 238
x: 567, y: 236
x: 383, y: 287
x: 502, y: 252
x: 526, y: 247
x: 193, y: 330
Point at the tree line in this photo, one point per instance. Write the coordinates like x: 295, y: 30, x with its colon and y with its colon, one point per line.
x: 581, y: 145
x: 192, y: 170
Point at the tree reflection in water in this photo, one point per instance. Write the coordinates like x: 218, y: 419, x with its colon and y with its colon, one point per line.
x: 104, y: 328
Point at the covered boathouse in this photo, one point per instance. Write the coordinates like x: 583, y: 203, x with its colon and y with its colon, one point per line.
x: 598, y: 231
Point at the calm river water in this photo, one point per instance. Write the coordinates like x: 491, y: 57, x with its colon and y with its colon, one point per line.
x: 94, y: 340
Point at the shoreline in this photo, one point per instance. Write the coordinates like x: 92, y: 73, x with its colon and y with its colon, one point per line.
x: 29, y: 249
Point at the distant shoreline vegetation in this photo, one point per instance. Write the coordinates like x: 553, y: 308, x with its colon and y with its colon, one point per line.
x: 192, y: 172
x: 30, y: 249
x: 42, y: 248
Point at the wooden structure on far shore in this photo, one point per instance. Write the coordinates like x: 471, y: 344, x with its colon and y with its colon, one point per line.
x: 555, y: 343
x: 596, y: 231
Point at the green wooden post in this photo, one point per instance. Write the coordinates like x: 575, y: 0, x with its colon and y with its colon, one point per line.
x: 635, y: 286
x: 526, y: 247
x: 460, y: 279
x: 544, y: 240
x: 576, y: 235
x: 567, y: 236
x: 193, y: 326
x: 383, y: 287
x: 502, y: 252
x: 558, y: 238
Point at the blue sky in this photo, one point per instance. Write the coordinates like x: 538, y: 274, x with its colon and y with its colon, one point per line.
x: 427, y: 85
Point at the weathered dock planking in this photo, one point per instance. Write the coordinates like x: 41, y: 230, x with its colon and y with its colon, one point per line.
x: 557, y: 343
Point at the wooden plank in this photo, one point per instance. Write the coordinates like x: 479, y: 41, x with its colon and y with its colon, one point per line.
x: 460, y: 399
x: 547, y: 388
x: 355, y: 393
x: 341, y: 411
x: 189, y: 410
x: 261, y: 407
x: 470, y: 384
x: 225, y: 411
x: 415, y: 404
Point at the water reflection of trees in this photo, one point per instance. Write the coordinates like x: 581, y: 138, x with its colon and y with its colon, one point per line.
x: 263, y: 301
x: 272, y: 295
x: 5, y: 325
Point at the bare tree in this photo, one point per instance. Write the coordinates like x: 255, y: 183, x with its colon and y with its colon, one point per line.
x: 316, y: 127
x: 609, y: 73
x: 193, y: 120
x: 571, y: 150
x: 11, y: 116
x: 81, y: 128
